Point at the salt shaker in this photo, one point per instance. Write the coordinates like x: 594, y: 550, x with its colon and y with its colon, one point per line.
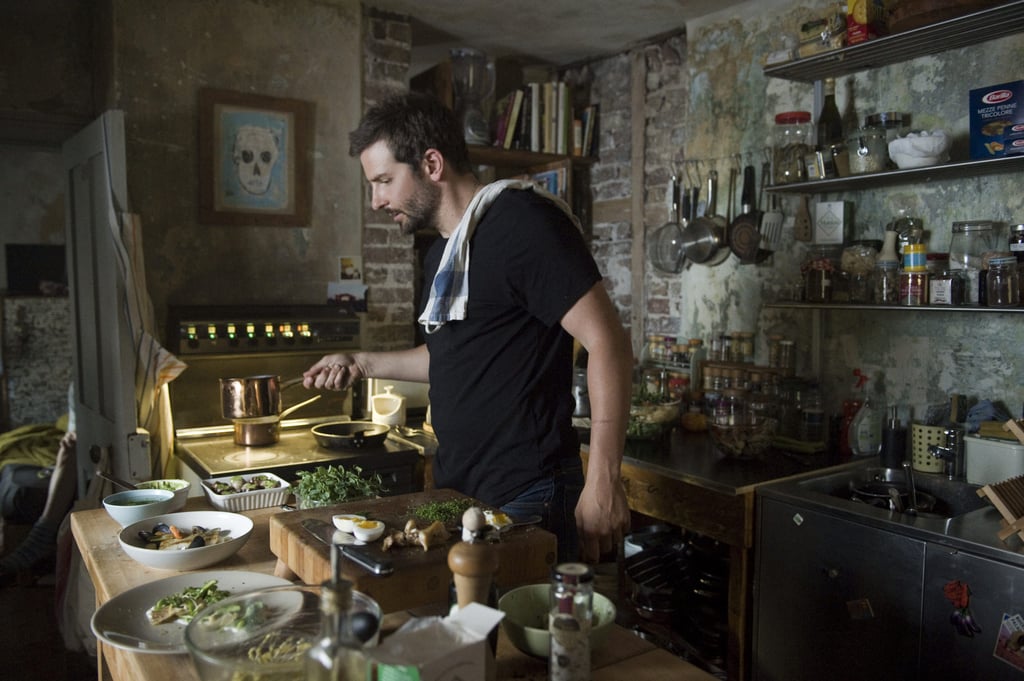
x: 572, y: 607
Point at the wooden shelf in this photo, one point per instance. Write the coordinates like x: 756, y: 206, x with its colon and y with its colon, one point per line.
x: 518, y: 158
x: 970, y: 29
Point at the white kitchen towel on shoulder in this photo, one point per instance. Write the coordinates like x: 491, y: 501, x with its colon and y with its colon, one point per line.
x: 449, y: 292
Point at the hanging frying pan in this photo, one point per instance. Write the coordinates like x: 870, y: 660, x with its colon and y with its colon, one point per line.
x: 744, y: 233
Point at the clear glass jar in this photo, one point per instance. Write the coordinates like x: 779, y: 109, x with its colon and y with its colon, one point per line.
x: 787, y: 356
x: 968, y: 244
x: 895, y: 123
x: 1003, y: 282
x: 868, y: 150
x: 886, y: 282
x: 913, y: 288
x: 791, y: 142
x: 731, y: 409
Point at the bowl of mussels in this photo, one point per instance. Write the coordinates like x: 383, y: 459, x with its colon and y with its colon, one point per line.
x: 186, y: 541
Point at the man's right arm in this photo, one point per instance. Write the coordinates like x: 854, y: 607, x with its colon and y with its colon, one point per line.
x: 339, y: 371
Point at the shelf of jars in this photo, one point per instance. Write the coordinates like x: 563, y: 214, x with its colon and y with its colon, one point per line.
x: 974, y: 309
x: 948, y: 171
x: 964, y: 31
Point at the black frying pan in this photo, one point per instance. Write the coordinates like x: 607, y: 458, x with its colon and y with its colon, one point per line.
x: 350, y: 434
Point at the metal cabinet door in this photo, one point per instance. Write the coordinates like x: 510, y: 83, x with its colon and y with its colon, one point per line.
x: 996, y: 589
x: 833, y: 599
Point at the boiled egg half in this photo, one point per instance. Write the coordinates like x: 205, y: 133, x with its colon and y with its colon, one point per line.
x: 346, y: 522
x: 368, y: 530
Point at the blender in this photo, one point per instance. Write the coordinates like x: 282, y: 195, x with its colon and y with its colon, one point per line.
x: 473, y: 83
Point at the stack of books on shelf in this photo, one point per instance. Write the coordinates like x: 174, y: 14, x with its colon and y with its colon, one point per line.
x: 539, y: 117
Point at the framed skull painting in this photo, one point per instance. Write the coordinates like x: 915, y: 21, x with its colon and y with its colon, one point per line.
x: 254, y: 159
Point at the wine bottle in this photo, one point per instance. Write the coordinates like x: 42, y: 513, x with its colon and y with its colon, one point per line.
x: 830, y: 122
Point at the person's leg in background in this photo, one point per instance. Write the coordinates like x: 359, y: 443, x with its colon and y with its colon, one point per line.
x: 41, y: 541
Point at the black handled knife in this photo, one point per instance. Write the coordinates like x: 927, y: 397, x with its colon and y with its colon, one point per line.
x: 326, y: 533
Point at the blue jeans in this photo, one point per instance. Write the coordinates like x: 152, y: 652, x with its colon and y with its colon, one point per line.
x: 554, y: 499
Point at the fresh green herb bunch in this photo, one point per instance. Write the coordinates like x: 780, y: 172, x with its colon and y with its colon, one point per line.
x: 335, y: 484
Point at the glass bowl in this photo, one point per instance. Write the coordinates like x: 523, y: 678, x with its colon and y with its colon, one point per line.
x: 264, y: 635
x: 744, y: 441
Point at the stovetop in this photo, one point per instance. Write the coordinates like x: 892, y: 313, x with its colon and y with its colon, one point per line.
x: 212, y: 452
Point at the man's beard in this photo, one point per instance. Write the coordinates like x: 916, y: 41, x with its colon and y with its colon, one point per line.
x: 421, y: 209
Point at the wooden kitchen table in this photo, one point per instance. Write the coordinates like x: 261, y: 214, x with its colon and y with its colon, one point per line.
x: 113, y: 572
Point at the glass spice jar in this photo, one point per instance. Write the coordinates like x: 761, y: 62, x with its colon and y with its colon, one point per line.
x: 1003, y: 282
x: 945, y: 287
x: 868, y: 150
x: 819, y: 271
x: 913, y: 288
x: 886, y: 282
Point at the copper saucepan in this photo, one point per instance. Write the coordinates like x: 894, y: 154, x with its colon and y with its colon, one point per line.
x: 253, y: 404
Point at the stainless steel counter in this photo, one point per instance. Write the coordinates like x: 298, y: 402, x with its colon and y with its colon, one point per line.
x: 692, y: 458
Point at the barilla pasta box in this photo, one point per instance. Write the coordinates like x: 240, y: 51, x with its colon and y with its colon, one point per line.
x: 997, y: 120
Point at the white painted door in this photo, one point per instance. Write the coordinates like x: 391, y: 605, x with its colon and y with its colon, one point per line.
x: 105, y: 358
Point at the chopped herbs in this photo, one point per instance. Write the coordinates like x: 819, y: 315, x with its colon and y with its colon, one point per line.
x: 184, y: 605
x: 448, y: 512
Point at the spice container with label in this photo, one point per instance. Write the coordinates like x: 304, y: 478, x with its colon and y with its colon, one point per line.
x: 819, y: 270
x: 895, y: 124
x: 1003, y: 282
x: 868, y: 151
x: 915, y: 258
x: 791, y: 142
x: 968, y: 244
x: 572, y: 607
x: 945, y: 287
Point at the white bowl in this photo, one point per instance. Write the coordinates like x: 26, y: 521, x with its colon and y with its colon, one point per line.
x: 133, y: 505
x: 237, y: 527
x: 920, y: 149
x: 181, y: 489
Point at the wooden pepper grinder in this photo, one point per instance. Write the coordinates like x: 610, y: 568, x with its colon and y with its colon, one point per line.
x: 473, y: 561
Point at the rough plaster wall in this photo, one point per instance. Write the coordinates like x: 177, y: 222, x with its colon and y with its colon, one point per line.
x: 922, y: 355
x: 37, y: 357
x: 163, y: 54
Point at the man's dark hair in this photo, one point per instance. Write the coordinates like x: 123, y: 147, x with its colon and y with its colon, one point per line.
x: 410, y: 124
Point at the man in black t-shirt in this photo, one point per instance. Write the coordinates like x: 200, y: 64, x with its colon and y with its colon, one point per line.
x: 508, y: 287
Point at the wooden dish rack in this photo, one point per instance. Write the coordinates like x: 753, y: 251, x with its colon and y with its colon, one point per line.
x: 1008, y: 496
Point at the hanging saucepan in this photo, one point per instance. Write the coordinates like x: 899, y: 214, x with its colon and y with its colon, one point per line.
x: 704, y: 239
x: 350, y: 434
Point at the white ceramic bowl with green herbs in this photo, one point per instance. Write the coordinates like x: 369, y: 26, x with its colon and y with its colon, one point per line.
x: 181, y: 489
x: 330, y: 485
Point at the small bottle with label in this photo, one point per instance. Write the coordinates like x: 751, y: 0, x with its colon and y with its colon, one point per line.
x: 569, y: 622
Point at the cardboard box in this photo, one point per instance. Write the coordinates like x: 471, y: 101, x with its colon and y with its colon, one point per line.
x: 997, y: 120
x: 832, y: 220
x: 452, y: 648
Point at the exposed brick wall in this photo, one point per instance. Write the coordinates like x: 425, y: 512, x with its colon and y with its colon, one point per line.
x: 388, y: 256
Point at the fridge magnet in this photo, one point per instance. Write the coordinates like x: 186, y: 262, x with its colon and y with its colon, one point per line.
x: 959, y: 594
x: 1010, y: 642
x: 254, y: 159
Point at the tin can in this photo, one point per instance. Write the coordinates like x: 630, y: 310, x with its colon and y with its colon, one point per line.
x: 913, y: 289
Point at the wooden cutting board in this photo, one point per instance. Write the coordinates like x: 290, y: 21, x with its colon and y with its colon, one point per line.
x: 525, y: 554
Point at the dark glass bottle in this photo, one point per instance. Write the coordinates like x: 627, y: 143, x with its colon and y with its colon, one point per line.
x: 830, y: 122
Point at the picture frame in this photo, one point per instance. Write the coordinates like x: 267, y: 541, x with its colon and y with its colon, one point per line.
x: 255, y: 159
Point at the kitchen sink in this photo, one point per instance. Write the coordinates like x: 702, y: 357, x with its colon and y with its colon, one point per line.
x: 938, y: 496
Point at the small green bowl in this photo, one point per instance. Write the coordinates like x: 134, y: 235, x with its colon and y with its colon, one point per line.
x: 526, y: 619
